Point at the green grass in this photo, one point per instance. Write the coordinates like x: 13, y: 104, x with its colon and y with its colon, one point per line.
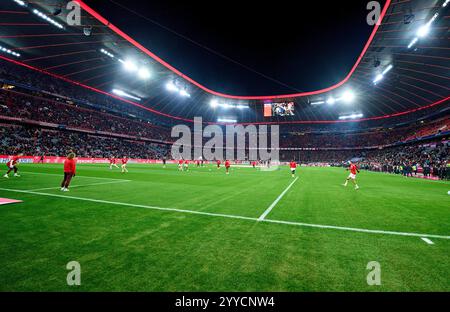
x: 132, y: 248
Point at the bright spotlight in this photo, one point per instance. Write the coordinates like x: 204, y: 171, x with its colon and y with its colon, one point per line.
x: 124, y: 94
x: 48, y: 19
x: 378, y: 78
x: 171, y: 87
x: 9, y: 51
x: 227, y: 120
x: 20, y: 2
x: 331, y: 101
x: 413, y: 42
x: 388, y: 69
x: 423, y: 31
x: 144, y: 73
x: 214, y: 103
x: 348, y: 96
x: 184, y: 93
x: 352, y: 116
x: 130, y: 66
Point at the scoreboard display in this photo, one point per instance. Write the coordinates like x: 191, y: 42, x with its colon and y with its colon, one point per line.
x: 279, y: 109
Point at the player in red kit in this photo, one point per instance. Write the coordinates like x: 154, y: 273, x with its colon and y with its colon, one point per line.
x: 12, y: 165
x: 112, y: 162
x: 180, y: 164
x: 124, y: 164
x: 353, y: 171
x: 69, y: 172
x: 227, y: 166
x: 254, y: 164
x: 293, y: 166
x: 218, y: 163
x: 186, y: 165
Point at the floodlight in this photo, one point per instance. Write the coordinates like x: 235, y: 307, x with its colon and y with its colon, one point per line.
x: 171, y: 87
x: 144, y: 73
x: 130, y: 66
x: 348, y: 96
x: 331, y: 100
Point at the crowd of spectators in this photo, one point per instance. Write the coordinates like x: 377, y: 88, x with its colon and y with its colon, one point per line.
x: 36, y: 108
x: 376, y: 137
x: 49, y: 142
x: 18, y: 74
x: 428, y: 159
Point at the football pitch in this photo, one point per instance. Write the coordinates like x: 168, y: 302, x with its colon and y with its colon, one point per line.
x: 157, y: 229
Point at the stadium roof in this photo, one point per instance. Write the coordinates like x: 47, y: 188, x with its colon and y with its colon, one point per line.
x: 403, y: 67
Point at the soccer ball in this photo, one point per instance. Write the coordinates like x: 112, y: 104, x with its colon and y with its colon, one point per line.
x: 448, y: 192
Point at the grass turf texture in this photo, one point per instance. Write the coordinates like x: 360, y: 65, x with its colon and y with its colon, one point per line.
x: 124, y: 248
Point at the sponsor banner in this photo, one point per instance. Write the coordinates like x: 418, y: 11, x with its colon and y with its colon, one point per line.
x: 80, y: 160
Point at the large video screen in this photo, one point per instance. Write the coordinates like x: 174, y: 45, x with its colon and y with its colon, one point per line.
x: 279, y: 109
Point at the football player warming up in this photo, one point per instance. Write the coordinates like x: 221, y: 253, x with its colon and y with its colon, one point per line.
x: 12, y: 165
x: 353, y: 171
x: 69, y: 172
x: 218, y: 164
x: 227, y: 166
x: 124, y: 164
x: 293, y: 166
x: 112, y: 162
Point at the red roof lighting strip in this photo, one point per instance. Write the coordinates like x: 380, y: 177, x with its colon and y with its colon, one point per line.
x: 119, y: 32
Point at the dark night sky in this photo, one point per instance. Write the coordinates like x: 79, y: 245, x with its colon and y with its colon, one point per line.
x: 305, y: 47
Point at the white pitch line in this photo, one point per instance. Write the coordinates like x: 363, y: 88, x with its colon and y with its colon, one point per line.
x: 85, y: 177
x: 428, y: 241
x: 340, y: 228
x: 131, y: 205
x: 268, y: 210
x: 78, y: 186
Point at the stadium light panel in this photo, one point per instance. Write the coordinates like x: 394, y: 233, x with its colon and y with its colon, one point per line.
x: 352, y: 116
x: 214, y: 103
x: 318, y: 103
x: 9, y: 51
x: 423, y: 31
x: 20, y: 2
x: 226, y: 120
x: 184, y: 93
x: 388, y: 69
x: 48, y: 19
x: 125, y: 94
x: 378, y: 78
x: 331, y: 101
x: 413, y: 42
x: 107, y: 53
x: 172, y: 87
x: 130, y: 66
x: 144, y: 73
x: 348, y: 96
x: 445, y: 3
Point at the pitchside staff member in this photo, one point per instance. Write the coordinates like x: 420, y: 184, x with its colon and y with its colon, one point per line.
x: 69, y: 172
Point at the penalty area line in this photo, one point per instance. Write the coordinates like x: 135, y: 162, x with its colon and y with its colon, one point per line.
x: 268, y: 210
x: 300, y: 224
